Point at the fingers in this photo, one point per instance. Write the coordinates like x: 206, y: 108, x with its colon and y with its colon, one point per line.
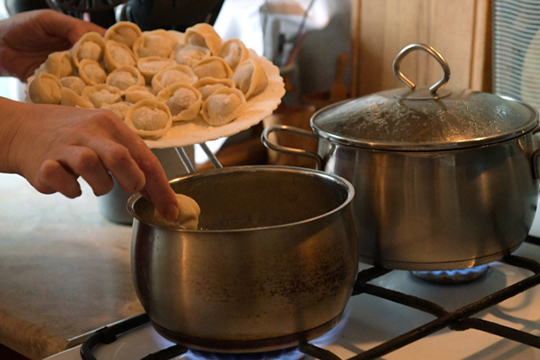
x: 86, y: 163
x: 95, y: 144
x: 53, y: 177
x: 136, y: 168
x: 67, y: 27
x: 138, y: 164
x: 61, y: 174
x: 158, y: 189
x: 118, y: 160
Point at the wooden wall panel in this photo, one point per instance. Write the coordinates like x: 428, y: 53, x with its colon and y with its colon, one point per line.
x: 458, y: 29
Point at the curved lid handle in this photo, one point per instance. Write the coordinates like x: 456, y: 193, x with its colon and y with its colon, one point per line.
x: 430, y: 50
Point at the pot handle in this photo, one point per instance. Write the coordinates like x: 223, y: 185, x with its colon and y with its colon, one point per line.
x: 432, y: 94
x: 289, y: 150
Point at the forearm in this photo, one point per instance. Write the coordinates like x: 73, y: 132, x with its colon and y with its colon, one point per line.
x: 10, y: 127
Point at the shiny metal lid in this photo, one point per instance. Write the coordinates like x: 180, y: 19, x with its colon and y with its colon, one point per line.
x: 422, y: 119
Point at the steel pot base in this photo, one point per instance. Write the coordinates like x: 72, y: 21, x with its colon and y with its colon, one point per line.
x: 247, y: 346
x: 435, y: 266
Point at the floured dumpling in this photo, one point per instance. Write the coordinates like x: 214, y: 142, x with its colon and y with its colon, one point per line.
x: 124, y: 32
x: 186, y: 54
x: 90, y: 46
x: 71, y: 98
x: 184, y: 71
x: 45, y: 89
x: 136, y: 93
x: 173, y: 75
x: 101, y: 94
x: 203, y: 35
x: 124, y: 77
x: 150, y: 66
x: 154, y: 43
x: 91, y: 72
x: 188, y: 214
x: 223, y: 106
x: 117, y: 55
x: 184, y: 101
x: 251, y: 78
x: 74, y: 83
x: 212, y: 66
x: 59, y: 64
x: 119, y: 108
x: 234, y: 52
x: 209, y: 85
x: 149, y: 118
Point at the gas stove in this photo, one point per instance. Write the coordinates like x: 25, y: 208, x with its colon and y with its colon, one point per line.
x: 393, y: 314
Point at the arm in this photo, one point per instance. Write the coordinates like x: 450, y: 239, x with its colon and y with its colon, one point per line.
x: 52, y: 145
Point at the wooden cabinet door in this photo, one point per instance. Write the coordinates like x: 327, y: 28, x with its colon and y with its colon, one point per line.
x: 459, y: 29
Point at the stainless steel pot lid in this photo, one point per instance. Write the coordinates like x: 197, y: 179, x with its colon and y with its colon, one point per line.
x: 422, y: 119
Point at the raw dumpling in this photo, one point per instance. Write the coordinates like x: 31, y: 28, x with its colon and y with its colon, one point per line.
x: 150, y: 66
x: 117, y: 55
x: 154, y: 43
x: 136, y: 93
x: 119, y: 109
x: 124, y: 32
x: 149, y: 118
x: 101, y: 94
x: 234, y: 52
x: 59, y: 64
x: 91, y: 72
x: 250, y: 77
x: 124, y: 77
x: 186, y: 54
x: 173, y: 75
x: 208, y: 85
x: 223, y: 106
x: 212, y: 66
x: 90, y: 46
x: 188, y: 214
x: 45, y: 89
x: 74, y: 83
x: 184, y: 101
x: 71, y: 98
x: 203, y: 35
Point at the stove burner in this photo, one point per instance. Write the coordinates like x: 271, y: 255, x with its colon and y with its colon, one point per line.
x: 291, y: 353
x: 450, y: 277
x: 171, y: 350
x: 285, y: 354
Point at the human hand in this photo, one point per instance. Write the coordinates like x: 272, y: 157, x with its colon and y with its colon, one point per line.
x: 27, y: 38
x: 52, y: 145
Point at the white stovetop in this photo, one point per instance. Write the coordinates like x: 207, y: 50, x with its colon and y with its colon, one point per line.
x: 372, y: 321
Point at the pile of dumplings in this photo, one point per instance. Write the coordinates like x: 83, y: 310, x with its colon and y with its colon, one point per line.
x: 153, y: 79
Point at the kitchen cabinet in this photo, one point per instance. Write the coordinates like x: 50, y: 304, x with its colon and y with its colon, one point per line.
x: 459, y: 29
x: 64, y: 269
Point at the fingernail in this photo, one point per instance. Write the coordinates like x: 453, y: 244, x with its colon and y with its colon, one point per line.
x: 172, y: 212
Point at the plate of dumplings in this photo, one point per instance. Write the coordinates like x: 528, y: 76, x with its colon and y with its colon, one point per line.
x: 171, y: 88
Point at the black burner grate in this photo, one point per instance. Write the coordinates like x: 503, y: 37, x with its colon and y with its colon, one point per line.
x: 459, y: 320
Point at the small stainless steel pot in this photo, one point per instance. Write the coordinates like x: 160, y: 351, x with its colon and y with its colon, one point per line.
x: 273, y: 264
x: 444, y: 179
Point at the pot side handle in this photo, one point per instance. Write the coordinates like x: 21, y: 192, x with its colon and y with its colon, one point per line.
x: 289, y: 150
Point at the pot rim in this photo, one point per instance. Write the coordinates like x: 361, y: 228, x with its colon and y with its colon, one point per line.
x: 427, y: 146
x: 252, y: 168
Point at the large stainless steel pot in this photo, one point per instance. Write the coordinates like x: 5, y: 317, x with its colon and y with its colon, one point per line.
x: 444, y: 179
x: 274, y: 263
